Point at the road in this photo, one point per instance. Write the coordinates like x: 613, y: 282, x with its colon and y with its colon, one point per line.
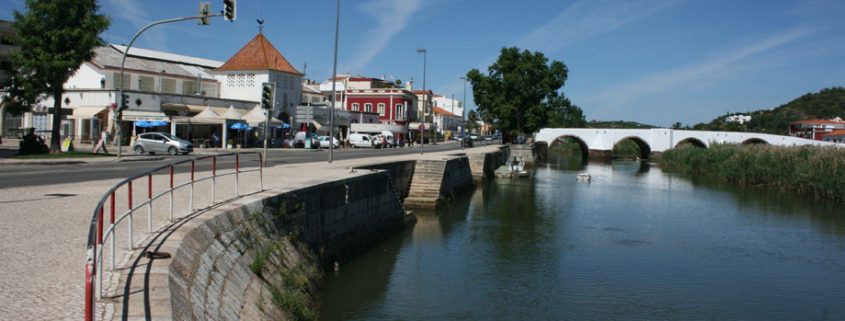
x: 35, y: 175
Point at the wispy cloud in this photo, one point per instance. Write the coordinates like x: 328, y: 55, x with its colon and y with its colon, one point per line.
x: 718, y: 67
x: 588, y: 18
x: 134, y: 12
x: 391, y: 18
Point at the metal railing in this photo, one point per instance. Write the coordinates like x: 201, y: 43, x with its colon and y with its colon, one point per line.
x: 99, y: 233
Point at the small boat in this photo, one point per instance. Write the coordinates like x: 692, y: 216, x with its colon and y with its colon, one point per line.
x: 514, y: 167
x: 583, y: 177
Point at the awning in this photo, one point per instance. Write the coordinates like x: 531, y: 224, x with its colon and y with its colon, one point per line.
x: 86, y: 112
x: 256, y: 117
x: 133, y: 115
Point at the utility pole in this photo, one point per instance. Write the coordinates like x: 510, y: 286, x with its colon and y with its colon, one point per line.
x: 334, y: 84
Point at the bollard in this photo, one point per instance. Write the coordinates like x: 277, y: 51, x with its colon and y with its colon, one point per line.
x: 131, y: 211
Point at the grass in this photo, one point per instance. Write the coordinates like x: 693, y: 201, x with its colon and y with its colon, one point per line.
x: 62, y: 155
x: 807, y: 170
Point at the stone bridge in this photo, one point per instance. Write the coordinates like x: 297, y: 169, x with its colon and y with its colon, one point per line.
x: 599, y: 142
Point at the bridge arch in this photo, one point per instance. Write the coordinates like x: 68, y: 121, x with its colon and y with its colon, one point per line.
x: 585, y: 150
x: 691, y: 141
x: 755, y: 141
x: 645, y: 149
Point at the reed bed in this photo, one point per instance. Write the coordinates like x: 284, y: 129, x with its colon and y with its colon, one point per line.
x: 815, y: 171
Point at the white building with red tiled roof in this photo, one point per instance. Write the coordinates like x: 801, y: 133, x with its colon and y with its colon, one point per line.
x: 241, y: 77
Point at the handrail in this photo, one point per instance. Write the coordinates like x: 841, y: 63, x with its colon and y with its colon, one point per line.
x: 99, y: 232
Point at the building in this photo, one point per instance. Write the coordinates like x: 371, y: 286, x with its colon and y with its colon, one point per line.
x: 452, y: 105
x: 195, y: 97
x: 445, y: 121
x: 741, y: 119
x: 815, y: 129
x: 836, y: 136
x: 394, y: 104
x: 311, y: 94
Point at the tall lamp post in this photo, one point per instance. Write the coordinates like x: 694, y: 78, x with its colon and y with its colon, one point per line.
x: 334, y: 84
x: 463, y: 111
x: 425, y: 101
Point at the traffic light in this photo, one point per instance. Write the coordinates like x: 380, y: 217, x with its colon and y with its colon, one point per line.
x: 267, y: 89
x: 229, y: 10
x: 205, y: 10
x: 124, y: 102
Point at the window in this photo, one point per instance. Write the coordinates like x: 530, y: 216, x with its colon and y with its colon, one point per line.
x: 398, y: 113
x: 210, y: 89
x: 381, y: 109
x: 368, y: 107
x: 168, y: 86
x: 355, y: 107
x: 116, y: 80
x: 189, y: 87
x: 146, y: 83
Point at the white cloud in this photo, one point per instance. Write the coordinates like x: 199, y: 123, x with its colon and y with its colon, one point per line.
x: 391, y: 18
x: 588, y: 18
x: 702, y: 72
x: 134, y: 12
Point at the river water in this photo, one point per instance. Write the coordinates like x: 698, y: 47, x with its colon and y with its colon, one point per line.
x: 634, y: 244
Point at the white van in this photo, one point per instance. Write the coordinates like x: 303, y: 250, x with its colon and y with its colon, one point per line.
x: 360, y: 140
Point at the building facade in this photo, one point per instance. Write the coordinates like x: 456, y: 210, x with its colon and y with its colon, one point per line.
x: 815, y: 129
x: 170, y: 88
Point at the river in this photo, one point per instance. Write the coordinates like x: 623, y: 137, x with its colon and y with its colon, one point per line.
x: 634, y: 244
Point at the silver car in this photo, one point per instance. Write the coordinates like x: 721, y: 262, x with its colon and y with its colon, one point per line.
x: 161, y: 143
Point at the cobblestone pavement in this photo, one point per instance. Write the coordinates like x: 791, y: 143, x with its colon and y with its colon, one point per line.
x: 43, y: 231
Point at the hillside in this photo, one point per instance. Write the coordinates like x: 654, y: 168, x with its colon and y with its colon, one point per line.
x: 825, y: 104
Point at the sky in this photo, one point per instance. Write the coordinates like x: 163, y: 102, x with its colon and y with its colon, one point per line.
x: 652, y: 61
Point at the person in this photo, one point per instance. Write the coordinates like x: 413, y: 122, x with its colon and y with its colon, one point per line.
x: 214, y: 140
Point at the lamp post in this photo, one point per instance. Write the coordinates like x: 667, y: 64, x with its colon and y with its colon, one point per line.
x: 425, y: 101
x: 334, y: 84
x: 463, y: 112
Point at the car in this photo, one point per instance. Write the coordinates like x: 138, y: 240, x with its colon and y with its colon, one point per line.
x: 161, y: 143
x: 474, y: 136
x: 361, y: 140
x: 324, y: 142
x: 468, y: 142
x: 488, y: 138
x: 299, y: 140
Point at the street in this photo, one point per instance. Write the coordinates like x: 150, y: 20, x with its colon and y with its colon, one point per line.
x: 12, y: 175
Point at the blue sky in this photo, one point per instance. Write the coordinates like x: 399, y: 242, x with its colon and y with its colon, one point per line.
x: 655, y: 62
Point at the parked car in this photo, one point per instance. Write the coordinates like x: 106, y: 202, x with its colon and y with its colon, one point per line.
x: 161, y: 143
x: 299, y: 140
x: 467, y: 142
x: 324, y: 142
x: 361, y: 140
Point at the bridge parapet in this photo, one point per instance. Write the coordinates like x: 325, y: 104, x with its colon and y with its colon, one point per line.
x: 658, y: 140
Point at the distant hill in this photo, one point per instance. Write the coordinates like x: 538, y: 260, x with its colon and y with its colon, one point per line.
x: 825, y: 104
x: 617, y: 124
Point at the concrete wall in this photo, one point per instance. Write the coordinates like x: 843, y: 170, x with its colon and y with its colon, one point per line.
x: 457, y: 178
x: 232, y: 265
x: 401, y: 172
x: 483, y: 165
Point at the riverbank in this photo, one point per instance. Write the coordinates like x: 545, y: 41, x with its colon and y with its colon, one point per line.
x: 813, y: 171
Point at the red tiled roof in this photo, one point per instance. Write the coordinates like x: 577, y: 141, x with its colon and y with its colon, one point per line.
x: 421, y: 92
x: 817, y: 121
x: 441, y: 111
x: 259, y: 54
x: 838, y: 132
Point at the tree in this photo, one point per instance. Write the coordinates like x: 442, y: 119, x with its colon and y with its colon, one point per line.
x: 55, y: 37
x: 562, y: 113
x: 472, y: 120
x: 519, y: 91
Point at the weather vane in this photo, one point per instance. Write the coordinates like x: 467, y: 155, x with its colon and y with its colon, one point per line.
x: 260, y: 25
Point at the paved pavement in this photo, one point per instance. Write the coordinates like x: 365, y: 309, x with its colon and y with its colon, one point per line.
x: 44, y: 230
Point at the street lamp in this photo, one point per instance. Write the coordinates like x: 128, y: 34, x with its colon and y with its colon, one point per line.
x: 425, y: 101
x: 334, y: 84
x: 463, y: 112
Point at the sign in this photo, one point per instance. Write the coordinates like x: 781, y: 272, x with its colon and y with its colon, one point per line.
x: 67, y: 145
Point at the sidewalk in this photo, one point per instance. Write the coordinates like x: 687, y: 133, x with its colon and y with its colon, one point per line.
x: 44, y: 232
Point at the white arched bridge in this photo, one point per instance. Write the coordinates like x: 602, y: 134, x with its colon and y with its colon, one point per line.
x: 599, y: 142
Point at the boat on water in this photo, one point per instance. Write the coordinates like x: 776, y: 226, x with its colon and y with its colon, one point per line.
x: 583, y: 177
x: 515, y: 167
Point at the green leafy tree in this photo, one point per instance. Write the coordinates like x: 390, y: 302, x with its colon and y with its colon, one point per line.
x: 519, y: 90
x: 562, y: 113
x: 472, y: 121
x: 55, y: 37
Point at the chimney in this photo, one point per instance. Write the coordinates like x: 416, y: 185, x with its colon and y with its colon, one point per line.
x: 410, y: 85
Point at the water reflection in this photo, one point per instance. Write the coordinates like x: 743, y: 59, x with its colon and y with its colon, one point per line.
x: 635, y: 243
